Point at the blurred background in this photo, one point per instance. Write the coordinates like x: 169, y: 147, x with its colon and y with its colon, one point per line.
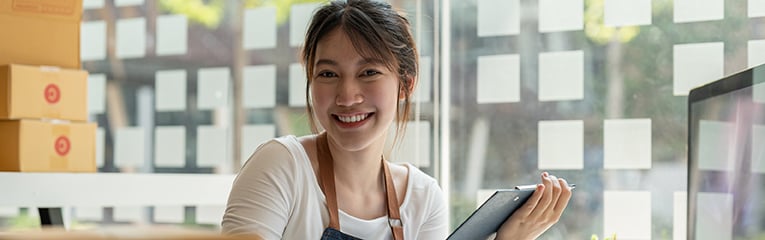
x: 594, y: 91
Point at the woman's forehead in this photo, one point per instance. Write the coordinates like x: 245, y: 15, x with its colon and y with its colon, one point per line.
x: 338, y: 42
x: 346, y: 45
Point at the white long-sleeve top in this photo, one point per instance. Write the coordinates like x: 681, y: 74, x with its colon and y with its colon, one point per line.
x: 276, y: 195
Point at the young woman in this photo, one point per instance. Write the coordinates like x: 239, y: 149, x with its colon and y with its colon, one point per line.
x: 361, y: 66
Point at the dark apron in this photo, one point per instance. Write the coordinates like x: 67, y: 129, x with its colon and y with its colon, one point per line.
x: 326, y: 170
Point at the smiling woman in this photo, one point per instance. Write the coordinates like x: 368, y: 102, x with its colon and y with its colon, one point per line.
x: 361, y: 66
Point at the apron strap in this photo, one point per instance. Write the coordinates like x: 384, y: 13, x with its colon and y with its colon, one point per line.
x: 394, y: 217
x: 326, y: 170
x: 327, y: 178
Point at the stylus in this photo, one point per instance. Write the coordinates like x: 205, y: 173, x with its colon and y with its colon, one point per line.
x: 533, y: 186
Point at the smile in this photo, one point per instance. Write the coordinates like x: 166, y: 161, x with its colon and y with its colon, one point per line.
x: 353, y: 118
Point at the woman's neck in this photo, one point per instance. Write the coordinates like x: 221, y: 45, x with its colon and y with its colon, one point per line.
x: 358, y: 170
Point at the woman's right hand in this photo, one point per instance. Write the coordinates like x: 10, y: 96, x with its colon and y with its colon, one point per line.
x: 540, y: 212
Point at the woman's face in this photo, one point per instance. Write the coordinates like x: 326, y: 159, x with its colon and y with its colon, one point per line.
x: 354, y: 98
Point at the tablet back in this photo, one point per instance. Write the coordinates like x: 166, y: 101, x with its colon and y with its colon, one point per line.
x: 487, y: 219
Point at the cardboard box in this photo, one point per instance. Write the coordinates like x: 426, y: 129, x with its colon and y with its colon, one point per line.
x: 39, y: 146
x: 43, y: 92
x: 40, y: 32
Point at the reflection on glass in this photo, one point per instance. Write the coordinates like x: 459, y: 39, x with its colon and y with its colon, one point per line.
x: 716, y: 145
x: 758, y: 92
x: 715, y: 216
x: 758, y: 149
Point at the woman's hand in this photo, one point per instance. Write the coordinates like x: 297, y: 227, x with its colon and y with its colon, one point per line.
x: 540, y: 212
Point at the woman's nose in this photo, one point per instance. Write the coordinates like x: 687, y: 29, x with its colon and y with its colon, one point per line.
x: 348, y: 93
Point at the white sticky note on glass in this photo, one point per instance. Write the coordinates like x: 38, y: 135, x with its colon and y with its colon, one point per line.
x: 9, y: 212
x: 618, y: 13
x: 96, y: 93
x: 627, y: 214
x: 425, y: 78
x: 131, y: 38
x: 758, y: 92
x: 627, y: 144
x: 172, y: 35
x: 561, y: 15
x: 100, y: 141
x: 561, y: 76
x: 698, y: 10
x: 89, y: 213
x: 170, y: 87
x: 482, y: 195
x: 679, y: 215
x: 414, y: 146
x: 716, y: 143
x: 259, y: 84
x: 499, y: 17
x: 170, y: 146
x: 169, y: 214
x: 695, y: 65
x: 260, y: 28
x: 212, y: 88
x: 756, y: 8
x: 300, y: 17
x: 129, y: 149
x: 93, y: 41
x: 758, y: 153
x: 123, y: 3
x: 210, y: 214
x: 297, y: 85
x: 758, y: 88
x: 714, y: 216
x: 253, y: 136
x: 756, y: 52
x: 499, y: 79
x: 561, y: 144
x: 212, y: 143
x: 92, y: 4
x: 133, y: 214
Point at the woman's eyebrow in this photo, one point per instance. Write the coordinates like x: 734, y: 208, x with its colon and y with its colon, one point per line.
x: 326, y: 61
x: 366, y: 61
x: 361, y: 62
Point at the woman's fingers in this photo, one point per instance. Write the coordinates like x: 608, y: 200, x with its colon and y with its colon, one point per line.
x: 543, y: 209
x: 546, y: 198
x: 565, y: 196
x: 532, y: 203
x: 556, y: 189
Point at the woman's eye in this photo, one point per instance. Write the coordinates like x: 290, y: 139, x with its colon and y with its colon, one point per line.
x: 327, y: 74
x: 371, y: 73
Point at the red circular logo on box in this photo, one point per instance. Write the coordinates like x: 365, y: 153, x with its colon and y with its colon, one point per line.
x: 52, y: 93
x: 62, y: 145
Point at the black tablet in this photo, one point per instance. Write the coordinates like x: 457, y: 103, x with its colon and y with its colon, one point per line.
x: 487, y: 219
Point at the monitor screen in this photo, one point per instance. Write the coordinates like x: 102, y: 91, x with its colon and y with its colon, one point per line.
x: 726, y: 158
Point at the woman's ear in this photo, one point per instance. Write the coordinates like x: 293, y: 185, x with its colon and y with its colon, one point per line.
x: 407, y: 87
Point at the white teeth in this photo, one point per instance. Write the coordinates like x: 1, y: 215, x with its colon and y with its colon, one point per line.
x: 353, y: 119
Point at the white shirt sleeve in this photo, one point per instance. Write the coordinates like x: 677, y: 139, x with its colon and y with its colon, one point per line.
x: 262, y: 194
x: 436, y: 224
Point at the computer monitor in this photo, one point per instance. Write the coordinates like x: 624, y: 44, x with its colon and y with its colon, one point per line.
x: 726, y: 158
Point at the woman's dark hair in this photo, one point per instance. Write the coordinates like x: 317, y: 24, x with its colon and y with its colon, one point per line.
x: 376, y: 31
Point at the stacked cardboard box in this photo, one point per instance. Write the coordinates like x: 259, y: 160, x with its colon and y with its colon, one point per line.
x: 43, y: 91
